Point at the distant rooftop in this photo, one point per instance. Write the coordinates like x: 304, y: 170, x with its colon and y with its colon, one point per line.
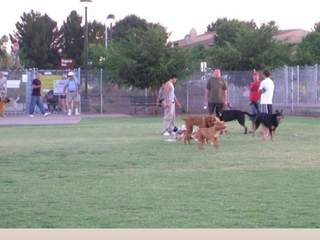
x: 294, y: 36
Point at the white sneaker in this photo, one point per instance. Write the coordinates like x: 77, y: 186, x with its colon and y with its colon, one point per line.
x: 69, y: 112
x: 31, y: 115
x: 46, y: 114
x: 166, y: 134
x: 77, y: 112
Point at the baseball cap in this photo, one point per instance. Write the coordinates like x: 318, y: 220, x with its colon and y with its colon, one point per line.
x: 70, y: 74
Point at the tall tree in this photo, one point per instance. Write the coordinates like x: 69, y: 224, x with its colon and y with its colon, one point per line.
x: 96, y: 32
x: 143, y: 59
x: 227, y: 30
x: 124, y: 26
x: 4, y: 56
x: 244, y: 46
x: 308, y: 51
x: 73, y: 38
x: 39, y: 40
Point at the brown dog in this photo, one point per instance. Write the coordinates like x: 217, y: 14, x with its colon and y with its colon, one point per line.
x: 200, y: 121
x: 212, y: 134
x: 3, y: 103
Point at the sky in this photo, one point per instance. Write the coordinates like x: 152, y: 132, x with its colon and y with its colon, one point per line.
x: 178, y: 16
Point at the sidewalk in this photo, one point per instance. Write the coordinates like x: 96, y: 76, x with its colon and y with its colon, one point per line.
x: 53, y: 119
x: 39, y: 120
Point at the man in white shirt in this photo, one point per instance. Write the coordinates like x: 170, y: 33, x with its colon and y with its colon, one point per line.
x: 266, y: 90
x: 168, y: 105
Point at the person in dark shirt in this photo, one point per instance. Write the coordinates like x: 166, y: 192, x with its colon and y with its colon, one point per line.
x: 215, y: 96
x: 36, y: 99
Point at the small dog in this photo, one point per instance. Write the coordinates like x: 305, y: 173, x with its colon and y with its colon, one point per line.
x: 231, y: 115
x: 200, y: 121
x: 269, y: 121
x: 212, y: 134
x: 3, y: 103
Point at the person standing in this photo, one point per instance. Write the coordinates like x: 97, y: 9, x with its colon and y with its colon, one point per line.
x: 36, y: 98
x: 216, y: 95
x: 3, y: 86
x: 266, y: 90
x: 254, y: 95
x: 72, y: 89
x: 168, y: 104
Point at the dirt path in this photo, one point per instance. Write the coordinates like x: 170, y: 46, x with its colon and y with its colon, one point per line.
x: 54, y: 119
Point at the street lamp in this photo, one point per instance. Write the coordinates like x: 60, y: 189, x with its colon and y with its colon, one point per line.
x: 110, y: 19
x: 86, y: 46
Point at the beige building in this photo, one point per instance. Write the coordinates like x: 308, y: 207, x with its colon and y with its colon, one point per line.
x: 193, y: 39
x: 293, y: 36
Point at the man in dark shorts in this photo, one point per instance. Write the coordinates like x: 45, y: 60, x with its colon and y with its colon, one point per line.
x: 215, y: 97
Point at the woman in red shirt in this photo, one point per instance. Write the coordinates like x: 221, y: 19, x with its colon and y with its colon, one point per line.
x: 254, y: 93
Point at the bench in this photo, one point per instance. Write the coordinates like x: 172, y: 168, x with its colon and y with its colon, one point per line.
x: 142, y: 102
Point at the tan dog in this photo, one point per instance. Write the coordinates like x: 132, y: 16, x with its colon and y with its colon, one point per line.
x: 212, y: 134
x: 3, y: 103
x: 200, y: 121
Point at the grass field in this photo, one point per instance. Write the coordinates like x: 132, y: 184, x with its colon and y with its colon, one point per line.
x: 119, y: 173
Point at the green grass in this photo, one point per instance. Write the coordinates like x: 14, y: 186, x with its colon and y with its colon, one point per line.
x: 119, y: 173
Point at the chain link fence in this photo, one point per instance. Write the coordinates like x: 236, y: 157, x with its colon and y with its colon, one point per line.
x: 297, y: 90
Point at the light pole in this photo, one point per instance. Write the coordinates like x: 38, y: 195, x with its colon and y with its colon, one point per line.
x: 110, y: 19
x: 86, y: 46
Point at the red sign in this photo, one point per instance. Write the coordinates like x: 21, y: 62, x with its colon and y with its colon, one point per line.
x: 67, y: 63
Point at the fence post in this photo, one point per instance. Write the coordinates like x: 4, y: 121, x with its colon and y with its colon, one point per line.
x: 145, y: 100
x: 287, y: 85
x: 298, y: 85
x: 101, y: 92
x: 292, y: 89
x: 79, y: 78
x: 317, y: 84
x: 188, y: 96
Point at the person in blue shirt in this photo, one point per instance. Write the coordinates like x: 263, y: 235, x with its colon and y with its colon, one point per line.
x: 72, y: 90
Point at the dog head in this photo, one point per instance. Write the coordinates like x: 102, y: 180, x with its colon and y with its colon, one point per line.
x: 219, y: 126
x: 279, y: 115
x: 211, y: 120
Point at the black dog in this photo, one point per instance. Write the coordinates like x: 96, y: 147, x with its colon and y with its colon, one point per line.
x: 231, y: 115
x: 269, y: 121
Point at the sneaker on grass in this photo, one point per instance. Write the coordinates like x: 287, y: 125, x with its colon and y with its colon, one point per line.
x: 166, y: 134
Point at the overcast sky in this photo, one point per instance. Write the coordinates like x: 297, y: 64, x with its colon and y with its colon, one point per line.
x: 177, y: 16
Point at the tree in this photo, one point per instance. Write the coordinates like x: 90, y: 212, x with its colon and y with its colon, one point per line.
x: 244, y: 46
x: 4, y: 56
x: 142, y: 58
x: 98, y: 55
x: 96, y: 31
x: 195, y: 55
x: 126, y: 25
x: 39, y: 40
x: 73, y: 38
x: 227, y: 30
x: 308, y: 51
